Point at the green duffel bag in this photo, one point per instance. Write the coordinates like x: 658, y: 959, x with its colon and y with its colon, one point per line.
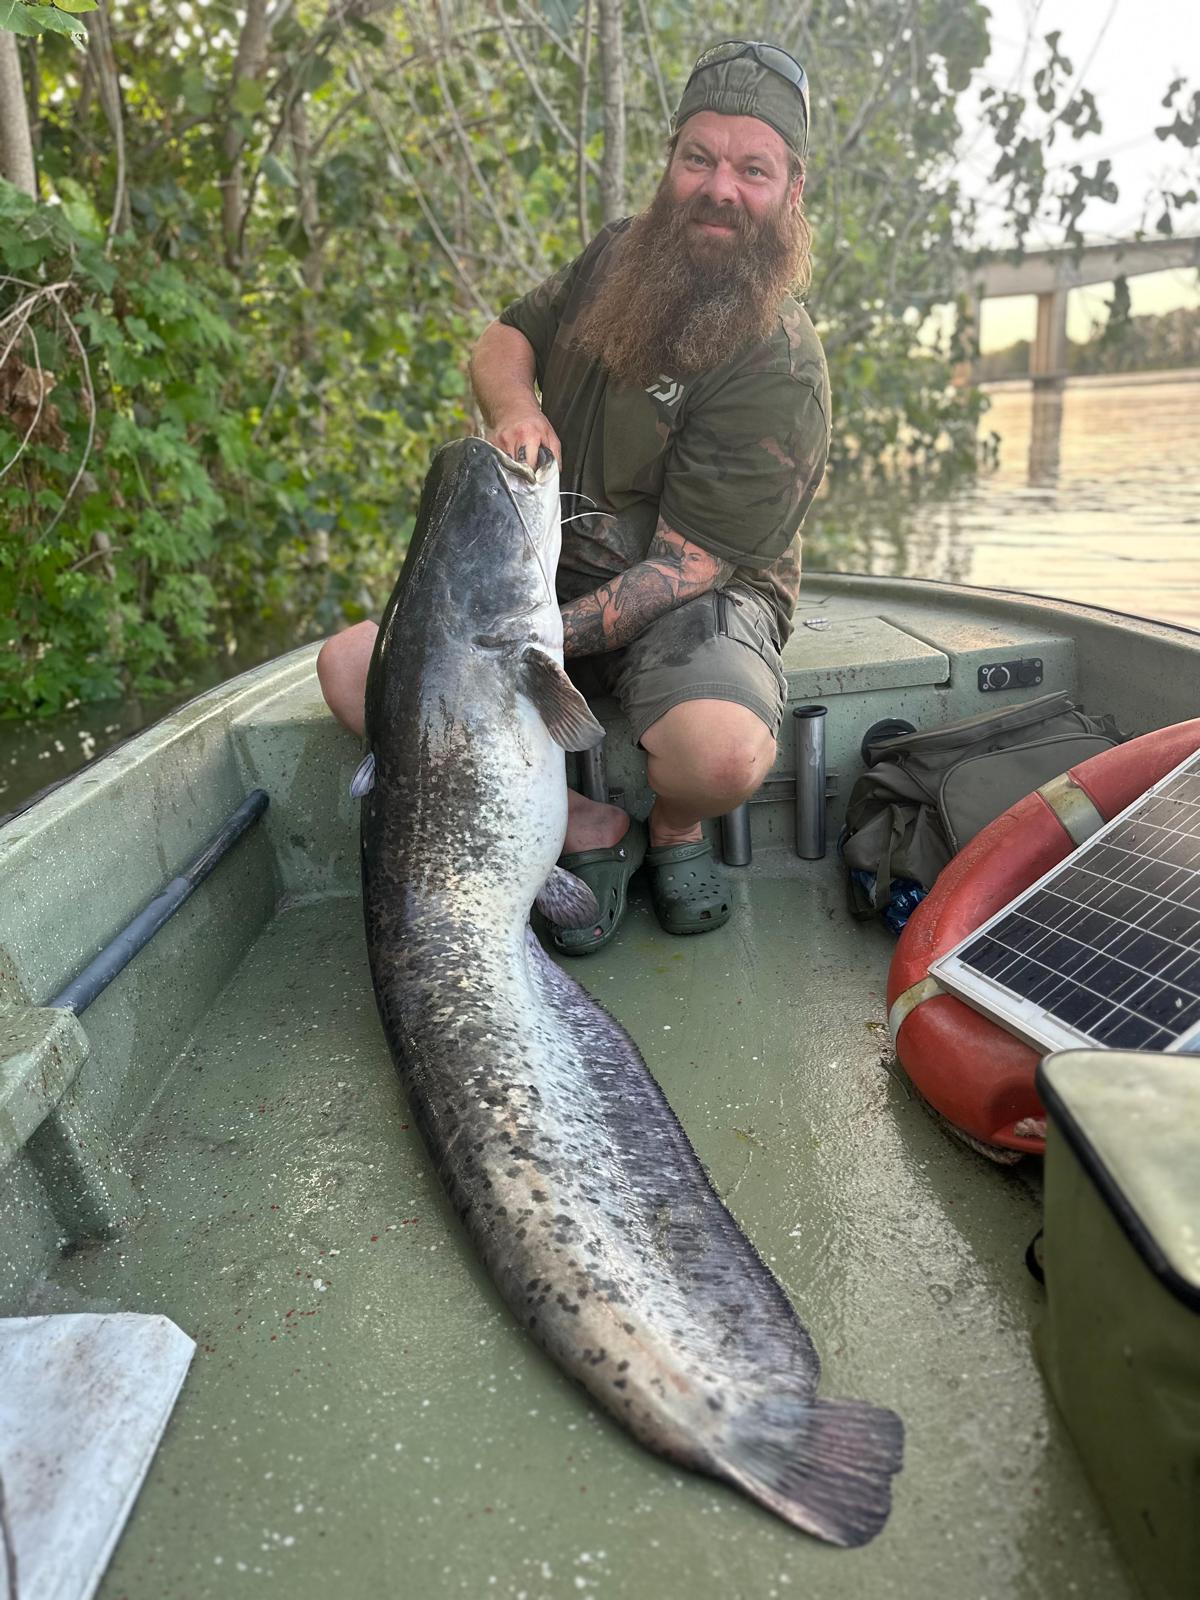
x: 925, y: 795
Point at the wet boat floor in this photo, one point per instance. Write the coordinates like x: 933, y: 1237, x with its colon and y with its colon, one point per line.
x: 364, y: 1417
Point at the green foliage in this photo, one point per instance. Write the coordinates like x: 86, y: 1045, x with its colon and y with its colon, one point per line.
x: 109, y: 591
x: 29, y: 18
x: 891, y: 226
x: 1185, y: 126
x: 201, y: 509
x: 1118, y: 322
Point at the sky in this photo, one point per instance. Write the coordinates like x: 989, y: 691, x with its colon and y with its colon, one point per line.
x: 1126, y: 52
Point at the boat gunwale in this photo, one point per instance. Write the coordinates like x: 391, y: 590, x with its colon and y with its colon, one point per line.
x: 1058, y: 602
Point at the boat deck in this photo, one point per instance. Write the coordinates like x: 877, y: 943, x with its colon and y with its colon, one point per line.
x: 362, y: 1411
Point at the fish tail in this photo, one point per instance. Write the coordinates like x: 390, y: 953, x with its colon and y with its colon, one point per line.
x: 823, y: 1465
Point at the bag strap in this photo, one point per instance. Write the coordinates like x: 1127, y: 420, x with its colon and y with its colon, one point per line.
x: 984, y: 726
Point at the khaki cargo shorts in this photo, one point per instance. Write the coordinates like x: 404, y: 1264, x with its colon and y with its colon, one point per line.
x: 720, y: 646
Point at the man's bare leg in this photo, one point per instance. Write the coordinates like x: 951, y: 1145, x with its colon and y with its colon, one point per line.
x: 342, y: 672
x: 704, y: 758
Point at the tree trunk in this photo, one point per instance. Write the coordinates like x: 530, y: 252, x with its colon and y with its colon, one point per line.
x: 16, y: 146
x: 312, y: 265
x: 103, y: 61
x: 251, y: 57
x: 31, y: 64
x: 612, y: 73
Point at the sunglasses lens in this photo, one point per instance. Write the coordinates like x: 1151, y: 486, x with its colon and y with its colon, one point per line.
x: 770, y: 55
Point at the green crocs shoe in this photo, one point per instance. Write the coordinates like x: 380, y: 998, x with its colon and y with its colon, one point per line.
x: 607, y: 874
x: 689, y: 893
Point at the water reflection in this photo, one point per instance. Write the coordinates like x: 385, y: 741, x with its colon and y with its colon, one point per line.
x: 1045, y: 437
x: 1095, y: 497
x: 35, y: 756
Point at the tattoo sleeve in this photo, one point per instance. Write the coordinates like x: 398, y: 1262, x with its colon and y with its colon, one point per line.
x: 674, y: 570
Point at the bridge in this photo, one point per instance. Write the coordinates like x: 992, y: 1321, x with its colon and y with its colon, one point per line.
x: 1052, y: 274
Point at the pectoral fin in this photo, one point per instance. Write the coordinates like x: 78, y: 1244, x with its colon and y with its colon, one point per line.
x: 566, y: 900
x: 559, y: 703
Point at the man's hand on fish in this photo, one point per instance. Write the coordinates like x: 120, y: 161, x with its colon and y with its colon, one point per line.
x: 522, y: 437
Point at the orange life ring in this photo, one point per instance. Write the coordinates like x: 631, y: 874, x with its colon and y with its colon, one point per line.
x: 974, y: 1072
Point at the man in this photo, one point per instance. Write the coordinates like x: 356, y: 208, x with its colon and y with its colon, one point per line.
x: 685, y: 395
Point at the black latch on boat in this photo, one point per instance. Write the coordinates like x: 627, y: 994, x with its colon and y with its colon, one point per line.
x: 137, y: 934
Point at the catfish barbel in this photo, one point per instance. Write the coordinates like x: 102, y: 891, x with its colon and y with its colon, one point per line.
x: 559, y: 1151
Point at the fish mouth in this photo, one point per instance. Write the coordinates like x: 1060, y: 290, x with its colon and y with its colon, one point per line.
x: 539, y: 474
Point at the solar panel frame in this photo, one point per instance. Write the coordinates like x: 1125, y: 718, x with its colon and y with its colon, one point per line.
x: 1104, y: 949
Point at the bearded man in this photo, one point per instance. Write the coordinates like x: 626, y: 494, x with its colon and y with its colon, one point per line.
x: 686, y: 398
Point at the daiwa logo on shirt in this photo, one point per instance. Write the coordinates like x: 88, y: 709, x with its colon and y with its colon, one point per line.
x: 667, y: 389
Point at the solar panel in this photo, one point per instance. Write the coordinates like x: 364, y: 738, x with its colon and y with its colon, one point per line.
x: 1104, y: 949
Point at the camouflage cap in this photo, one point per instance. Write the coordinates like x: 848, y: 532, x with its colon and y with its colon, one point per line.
x: 741, y: 78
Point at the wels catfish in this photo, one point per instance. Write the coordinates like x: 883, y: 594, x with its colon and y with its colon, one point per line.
x: 559, y: 1151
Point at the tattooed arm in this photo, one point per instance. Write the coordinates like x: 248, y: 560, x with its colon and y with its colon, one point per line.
x: 673, y: 571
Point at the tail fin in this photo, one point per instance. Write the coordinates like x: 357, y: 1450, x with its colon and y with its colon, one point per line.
x: 823, y: 1465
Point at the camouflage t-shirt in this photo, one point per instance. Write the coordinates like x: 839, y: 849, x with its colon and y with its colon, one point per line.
x: 729, y: 458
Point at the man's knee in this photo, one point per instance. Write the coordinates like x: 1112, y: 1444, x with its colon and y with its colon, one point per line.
x: 342, y: 663
x: 345, y: 654
x: 714, y: 747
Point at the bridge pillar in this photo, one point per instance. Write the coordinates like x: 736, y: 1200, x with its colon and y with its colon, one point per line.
x: 1048, y: 358
x: 970, y: 311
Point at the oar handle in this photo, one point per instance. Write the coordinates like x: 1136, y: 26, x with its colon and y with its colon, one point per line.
x: 136, y: 934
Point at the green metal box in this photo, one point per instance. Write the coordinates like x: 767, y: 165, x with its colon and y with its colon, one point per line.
x: 1121, y: 1341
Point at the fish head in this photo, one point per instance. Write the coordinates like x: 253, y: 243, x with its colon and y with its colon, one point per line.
x: 499, y: 534
x: 474, y: 616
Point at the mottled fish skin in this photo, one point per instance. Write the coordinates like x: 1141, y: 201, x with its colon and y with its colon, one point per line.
x: 557, y: 1148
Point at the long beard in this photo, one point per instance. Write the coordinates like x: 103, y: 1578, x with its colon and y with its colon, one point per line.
x: 678, y: 302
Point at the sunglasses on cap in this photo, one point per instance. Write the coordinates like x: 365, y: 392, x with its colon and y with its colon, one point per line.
x: 770, y: 56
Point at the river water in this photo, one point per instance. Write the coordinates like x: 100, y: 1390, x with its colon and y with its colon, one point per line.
x: 1095, y: 496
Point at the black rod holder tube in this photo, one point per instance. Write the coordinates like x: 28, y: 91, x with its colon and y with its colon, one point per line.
x: 593, y: 774
x: 735, y: 836
x: 136, y: 935
x: 810, y: 781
